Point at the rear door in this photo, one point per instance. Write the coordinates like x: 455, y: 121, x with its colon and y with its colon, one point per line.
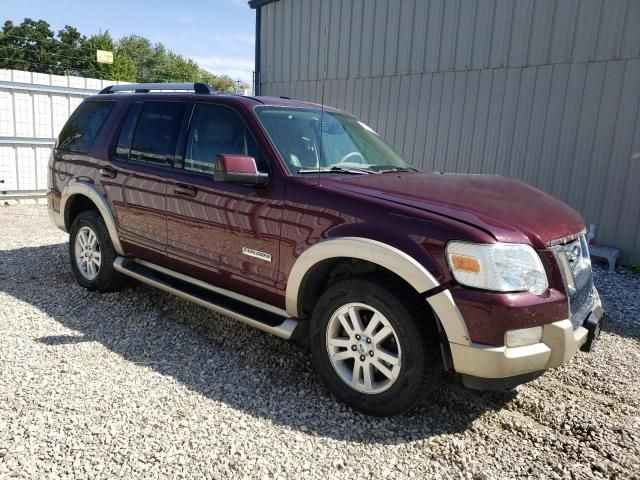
x: 230, y: 231
x: 76, y: 140
x: 136, y: 177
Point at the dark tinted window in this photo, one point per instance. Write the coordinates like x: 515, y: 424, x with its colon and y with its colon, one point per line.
x: 126, y: 132
x: 217, y: 130
x: 156, y: 132
x: 83, y: 127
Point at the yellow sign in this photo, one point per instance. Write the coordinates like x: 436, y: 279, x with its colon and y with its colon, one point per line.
x: 103, y: 56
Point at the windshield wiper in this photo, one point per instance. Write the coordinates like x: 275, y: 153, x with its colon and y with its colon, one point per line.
x: 398, y: 169
x: 336, y: 169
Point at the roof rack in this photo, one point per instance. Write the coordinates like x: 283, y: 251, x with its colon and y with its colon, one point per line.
x: 147, y: 87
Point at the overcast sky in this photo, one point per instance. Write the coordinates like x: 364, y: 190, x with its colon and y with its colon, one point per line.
x: 218, y: 34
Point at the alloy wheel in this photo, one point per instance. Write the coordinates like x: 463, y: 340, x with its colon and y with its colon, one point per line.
x: 363, y: 348
x: 87, y: 253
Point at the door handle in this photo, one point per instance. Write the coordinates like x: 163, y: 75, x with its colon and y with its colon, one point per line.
x: 108, y: 172
x: 186, y: 190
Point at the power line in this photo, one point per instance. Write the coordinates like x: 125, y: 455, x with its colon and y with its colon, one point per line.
x: 90, y: 58
x: 154, y: 71
x: 53, y: 54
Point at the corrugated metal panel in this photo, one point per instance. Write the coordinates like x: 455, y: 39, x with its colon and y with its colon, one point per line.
x: 465, y: 33
x: 304, y: 20
x: 425, y: 151
x: 33, y: 110
x: 294, y: 60
x: 379, y: 37
x: 618, y: 189
x: 544, y: 90
x: 315, y: 33
x: 419, y: 35
x: 422, y: 120
x: 333, y: 40
x: 280, y: 49
x: 356, y: 31
x: 405, y: 32
x: 365, y: 55
x: 631, y: 32
x: 383, y: 37
x: 435, y: 20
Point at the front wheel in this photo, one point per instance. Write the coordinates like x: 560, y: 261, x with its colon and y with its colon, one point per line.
x: 372, y: 349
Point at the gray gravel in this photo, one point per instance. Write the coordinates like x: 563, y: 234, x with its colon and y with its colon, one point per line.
x: 142, y: 384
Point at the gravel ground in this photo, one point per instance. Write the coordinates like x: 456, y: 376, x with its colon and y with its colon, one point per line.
x: 142, y: 384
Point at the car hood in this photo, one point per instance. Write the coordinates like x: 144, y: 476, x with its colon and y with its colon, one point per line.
x: 508, y: 209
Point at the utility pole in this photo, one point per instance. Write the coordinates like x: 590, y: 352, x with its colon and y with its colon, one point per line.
x: 238, y: 82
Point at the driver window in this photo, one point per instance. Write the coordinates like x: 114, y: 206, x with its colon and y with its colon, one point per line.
x: 295, y: 138
x: 216, y: 130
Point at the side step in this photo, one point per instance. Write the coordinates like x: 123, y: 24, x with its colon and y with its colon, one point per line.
x: 265, y: 317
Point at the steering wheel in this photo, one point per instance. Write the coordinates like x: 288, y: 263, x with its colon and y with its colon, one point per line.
x: 353, y: 154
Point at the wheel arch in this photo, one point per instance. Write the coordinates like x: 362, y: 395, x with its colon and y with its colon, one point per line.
x: 389, y: 258
x: 79, y: 191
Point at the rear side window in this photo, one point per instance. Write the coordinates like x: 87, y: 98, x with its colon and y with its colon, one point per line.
x: 156, y: 131
x: 84, y: 125
x: 126, y: 133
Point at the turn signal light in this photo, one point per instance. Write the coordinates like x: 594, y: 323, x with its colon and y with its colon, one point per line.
x: 466, y: 264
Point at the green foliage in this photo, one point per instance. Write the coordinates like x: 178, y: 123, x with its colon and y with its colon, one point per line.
x: 29, y: 44
x: 32, y: 46
x: 635, y: 268
x: 140, y: 51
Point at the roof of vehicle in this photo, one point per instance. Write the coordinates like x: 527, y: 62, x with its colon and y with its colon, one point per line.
x: 247, y: 101
x: 288, y: 102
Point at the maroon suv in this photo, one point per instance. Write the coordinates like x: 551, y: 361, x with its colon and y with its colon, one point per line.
x: 300, y: 220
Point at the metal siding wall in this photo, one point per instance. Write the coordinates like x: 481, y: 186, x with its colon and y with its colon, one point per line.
x: 543, y: 90
x: 33, y: 109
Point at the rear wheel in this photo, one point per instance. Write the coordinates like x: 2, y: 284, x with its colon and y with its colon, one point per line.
x: 92, y: 254
x: 372, y: 349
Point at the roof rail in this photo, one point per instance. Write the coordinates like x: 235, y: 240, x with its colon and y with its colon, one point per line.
x: 147, y: 87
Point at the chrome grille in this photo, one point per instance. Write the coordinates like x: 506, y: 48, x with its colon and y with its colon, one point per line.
x: 575, y: 264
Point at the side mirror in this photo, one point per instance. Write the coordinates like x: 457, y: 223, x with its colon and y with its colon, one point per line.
x: 238, y: 169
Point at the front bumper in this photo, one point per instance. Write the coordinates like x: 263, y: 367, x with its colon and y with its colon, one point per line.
x: 489, y: 367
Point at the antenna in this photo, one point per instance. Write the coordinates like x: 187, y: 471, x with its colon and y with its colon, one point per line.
x: 324, y: 80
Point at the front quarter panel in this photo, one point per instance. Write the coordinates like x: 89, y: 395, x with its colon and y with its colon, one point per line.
x: 321, y: 222
x: 314, y: 213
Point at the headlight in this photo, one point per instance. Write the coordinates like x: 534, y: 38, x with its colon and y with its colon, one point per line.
x: 503, y: 267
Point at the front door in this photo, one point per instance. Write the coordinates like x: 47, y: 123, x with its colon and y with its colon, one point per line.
x: 230, y: 231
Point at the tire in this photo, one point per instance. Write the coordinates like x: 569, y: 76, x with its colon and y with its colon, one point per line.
x: 410, y: 355
x: 89, y: 229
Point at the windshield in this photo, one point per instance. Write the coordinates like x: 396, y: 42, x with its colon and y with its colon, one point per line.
x: 337, y: 144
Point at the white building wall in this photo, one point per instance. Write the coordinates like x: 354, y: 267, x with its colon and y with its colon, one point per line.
x: 33, y: 109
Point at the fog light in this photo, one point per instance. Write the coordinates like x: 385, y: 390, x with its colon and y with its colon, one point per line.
x: 523, y: 337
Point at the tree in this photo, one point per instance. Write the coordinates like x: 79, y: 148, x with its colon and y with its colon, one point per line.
x: 31, y: 46
x: 69, y: 52
x: 141, y: 53
x: 99, y: 41
x: 220, y: 83
x: 123, y: 68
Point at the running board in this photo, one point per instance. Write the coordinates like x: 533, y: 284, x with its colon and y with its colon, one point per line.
x: 196, y: 291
